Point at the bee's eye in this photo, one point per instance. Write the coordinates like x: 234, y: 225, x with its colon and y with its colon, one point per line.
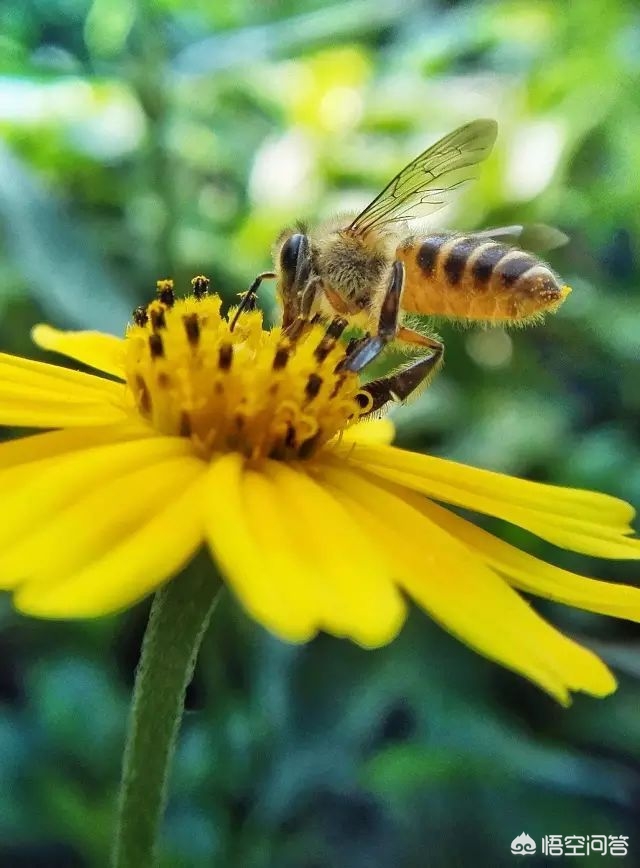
x: 290, y: 252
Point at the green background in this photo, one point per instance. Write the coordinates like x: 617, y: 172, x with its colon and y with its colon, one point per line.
x: 173, y: 138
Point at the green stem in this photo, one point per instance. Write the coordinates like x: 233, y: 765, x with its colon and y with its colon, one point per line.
x: 179, y: 618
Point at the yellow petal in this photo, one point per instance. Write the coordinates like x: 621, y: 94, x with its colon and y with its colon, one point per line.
x: 66, y: 541
x: 36, y: 447
x: 33, y: 394
x: 94, y: 349
x: 583, y: 521
x: 33, y: 492
x: 28, y: 408
x: 370, y: 431
x: 59, y: 382
x: 538, y: 577
x: 269, y: 534
x: 143, y: 557
x: 249, y: 539
x: 348, y: 560
x: 464, y: 595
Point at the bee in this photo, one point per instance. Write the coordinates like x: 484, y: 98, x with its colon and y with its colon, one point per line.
x: 369, y: 270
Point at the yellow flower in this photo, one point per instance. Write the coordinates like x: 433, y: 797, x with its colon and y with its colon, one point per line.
x: 251, y: 443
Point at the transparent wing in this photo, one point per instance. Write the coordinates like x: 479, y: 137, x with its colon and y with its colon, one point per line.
x: 424, y: 185
x: 536, y: 237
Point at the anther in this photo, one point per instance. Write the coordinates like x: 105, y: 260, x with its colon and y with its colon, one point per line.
x: 192, y: 328
x: 165, y: 292
x: 314, y: 383
x: 156, y: 347
x: 143, y: 396
x: 281, y: 358
x: 308, y: 447
x: 225, y: 357
x: 140, y: 316
x: 158, y: 320
x: 200, y: 286
x: 336, y: 327
x: 330, y: 339
x: 185, y: 424
x: 338, y: 385
x: 290, y: 437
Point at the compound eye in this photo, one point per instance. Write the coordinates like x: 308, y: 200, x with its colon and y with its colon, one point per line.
x: 290, y: 252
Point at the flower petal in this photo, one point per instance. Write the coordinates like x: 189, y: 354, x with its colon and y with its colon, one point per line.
x: 23, y: 408
x: 36, y: 447
x: 528, y: 573
x: 248, y: 538
x: 464, y: 595
x: 583, y: 521
x: 147, y: 550
x: 289, y: 554
x: 66, y: 542
x: 348, y: 561
x: 370, y: 431
x: 57, y: 381
x: 94, y: 349
x: 33, y: 492
x: 34, y: 394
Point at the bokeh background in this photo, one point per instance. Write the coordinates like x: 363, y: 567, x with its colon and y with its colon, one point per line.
x: 141, y: 140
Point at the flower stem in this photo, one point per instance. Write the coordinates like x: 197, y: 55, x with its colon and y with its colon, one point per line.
x: 177, y: 623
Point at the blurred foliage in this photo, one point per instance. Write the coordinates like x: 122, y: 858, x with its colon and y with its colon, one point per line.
x: 146, y: 139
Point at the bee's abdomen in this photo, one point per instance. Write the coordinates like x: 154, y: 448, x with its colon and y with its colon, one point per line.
x: 472, y: 278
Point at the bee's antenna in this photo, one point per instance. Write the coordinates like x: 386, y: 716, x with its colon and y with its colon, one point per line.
x: 249, y: 297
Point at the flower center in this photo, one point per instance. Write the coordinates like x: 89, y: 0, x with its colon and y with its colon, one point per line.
x: 234, y: 386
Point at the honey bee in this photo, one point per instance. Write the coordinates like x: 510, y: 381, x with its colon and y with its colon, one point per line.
x: 370, y: 271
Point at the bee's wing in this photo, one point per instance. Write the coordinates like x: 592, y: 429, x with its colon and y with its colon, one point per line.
x: 536, y: 237
x: 424, y: 185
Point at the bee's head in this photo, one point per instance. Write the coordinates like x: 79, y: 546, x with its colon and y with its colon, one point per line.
x: 293, y: 266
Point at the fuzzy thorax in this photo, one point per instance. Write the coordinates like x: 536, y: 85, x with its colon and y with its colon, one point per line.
x: 245, y: 389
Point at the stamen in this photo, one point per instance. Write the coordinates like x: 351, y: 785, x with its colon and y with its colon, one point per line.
x: 248, y: 390
x: 308, y: 447
x: 158, y: 319
x: 336, y: 327
x: 314, y: 384
x: 142, y: 395
x: 165, y: 292
x: 339, y: 381
x: 364, y: 400
x: 156, y: 346
x: 200, y: 285
x: 192, y: 328
x: 281, y: 358
x: 225, y: 357
x: 330, y: 339
x: 185, y: 424
x: 140, y: 315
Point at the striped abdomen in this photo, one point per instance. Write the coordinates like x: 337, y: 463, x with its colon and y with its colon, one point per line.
x: 471, y: 278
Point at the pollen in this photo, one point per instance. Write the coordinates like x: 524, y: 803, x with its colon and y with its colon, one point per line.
x: 261, y: 392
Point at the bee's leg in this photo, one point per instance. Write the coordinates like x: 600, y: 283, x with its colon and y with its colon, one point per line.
x: 371, y: 347
x: 304, y: 318
x: 249, y: 297
x: 399, y: 385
